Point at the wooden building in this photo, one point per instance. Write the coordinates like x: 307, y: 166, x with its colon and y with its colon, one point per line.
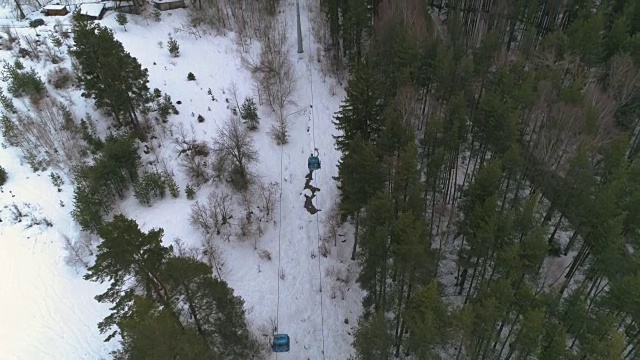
x: 168, y: 4
x: 91, y: 11
x: 55, y: 10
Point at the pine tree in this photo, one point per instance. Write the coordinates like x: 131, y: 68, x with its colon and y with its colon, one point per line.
x: 413, y: 267
x: 428, y: 323
x: 360, y: 178
x: 407, y: 189
x: 127, y: 253
x: 361, y: 111
x: 122, y: 20
x: 373, y: 255
x: 249, y: 113
x: 231, y: 326
x: 109, y: 74
x: 152, y: 333
x: 102, y: 184
x: 211, y: 307
x: 3, y: 176
x: 173, y: 47
x: 372, y: 339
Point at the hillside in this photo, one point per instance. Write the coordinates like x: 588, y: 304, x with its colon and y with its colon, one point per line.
x: 477, y: 199
x: 59, y: 303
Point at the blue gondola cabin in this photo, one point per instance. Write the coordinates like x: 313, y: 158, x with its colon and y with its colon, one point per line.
x: 313, y: 163
x: 280, y: 343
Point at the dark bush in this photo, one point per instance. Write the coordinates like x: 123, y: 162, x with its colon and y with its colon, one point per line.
x: 3, y: 176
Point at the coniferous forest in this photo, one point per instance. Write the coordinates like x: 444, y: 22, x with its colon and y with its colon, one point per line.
x: 490, y: 169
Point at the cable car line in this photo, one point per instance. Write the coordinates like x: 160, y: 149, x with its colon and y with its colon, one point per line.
x: 315, y: 181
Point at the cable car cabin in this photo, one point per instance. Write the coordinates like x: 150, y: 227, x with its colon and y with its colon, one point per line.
x: 313, y: 163
x: 280, y: 343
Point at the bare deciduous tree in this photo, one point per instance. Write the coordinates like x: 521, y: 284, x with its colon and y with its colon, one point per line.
x: 234, y: 152
x: 274, y: 72
x: 233, y: 90
x: 222, y: 206
x: 31, y: 44
x: 332, y: 223
x: 78, y: 251
x: 49, y: 134
x: 624, y: 79
x: 604, y: 106
x: 210, y: 218
x: 212, y: 254
x: 267, y: 195
x: 202, y: 218
x: 193, y: 155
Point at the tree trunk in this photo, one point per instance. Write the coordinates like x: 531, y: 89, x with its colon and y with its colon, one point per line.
x: 555, y: 229
x: 192, y: 311
x: 355, y: 237
x: 136, y: 124
x: 19, y: 7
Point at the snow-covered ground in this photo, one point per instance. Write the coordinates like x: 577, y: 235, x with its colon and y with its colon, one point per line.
x: 47, y: 310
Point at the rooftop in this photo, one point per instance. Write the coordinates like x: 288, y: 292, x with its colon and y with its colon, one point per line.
x: 54, y: 7
x: 115, y: 4
x: 93, y: 10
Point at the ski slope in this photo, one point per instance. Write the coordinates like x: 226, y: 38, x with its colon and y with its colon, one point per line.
x: 49, y: 311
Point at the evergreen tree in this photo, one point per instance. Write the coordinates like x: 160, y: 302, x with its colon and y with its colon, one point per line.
x: 360, y: 178
x: 3, y: 176
x: 109, y: 74
x: 413, y: 267
x: 361, y: 111
x: 249, y: 113
x: 373, y: 253
x: 174, y: 48
x: 407, y: 189
x: 122, y: 20
x: 100, y: 185
x: 211, y: 307
x: 152, y: 333
x: 127, y: 253
x: 372, y: 340
x: 428, y: 323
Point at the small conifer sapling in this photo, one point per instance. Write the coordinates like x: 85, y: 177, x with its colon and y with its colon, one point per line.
x: 121, y: 19
x: 173, y: 47
x: 249, y: 113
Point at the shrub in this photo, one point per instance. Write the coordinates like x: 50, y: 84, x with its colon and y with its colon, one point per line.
x: 157, y: 15
x: 89, y: 134
x: 190, y: 192
x: 60, y: 78
x: 7, y: 103
x: 200, y: 118
x: 3, y: 176
x: 173, y: 188
x: 21, y: 81
x: 56, y: 41
x: 165, y: 107
x: 280, y: 132
x: 191, y: 77
x: 56, y: 180
x: 173, y: 47
x: 152, y: 184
